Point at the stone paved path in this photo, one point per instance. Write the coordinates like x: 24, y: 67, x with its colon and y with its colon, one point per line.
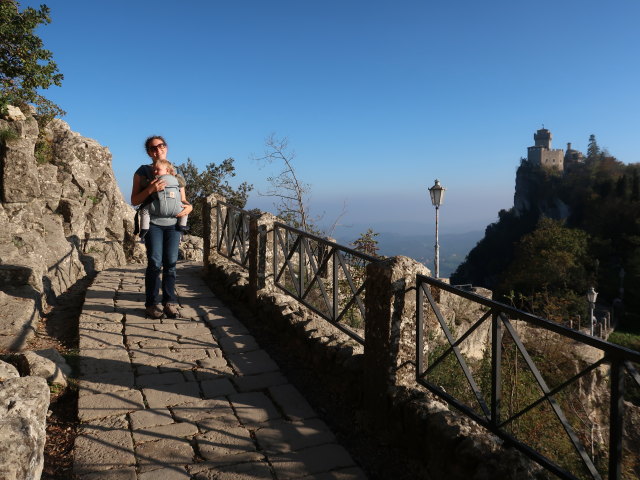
x: 192, y: 397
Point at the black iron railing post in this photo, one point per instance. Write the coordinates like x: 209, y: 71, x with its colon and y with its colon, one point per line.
x: 616, y: 417
x: 496, y: 368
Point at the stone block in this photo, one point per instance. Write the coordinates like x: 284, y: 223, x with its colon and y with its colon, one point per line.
x: 203, y: 409
x: 217, y: 388
x: 103, y: 446
x: 251, y: 470
x: 124, y: 473
x: 169, y: 473
x: 227, y: 441
x: 103, y: 360
x: 252, y: 383
x: 170, y: 432
x: 279, y: 436
x: 311, y: 461
x: 252, y: 363
x: 291, y: 402
x: 150, y: 418
x: 107, y: 382
x: 168, y: 378
x: 163, y: 454
x: 239, y: 343
x: 108, y: 404
x: 168, y: 395
x: 253, y: 408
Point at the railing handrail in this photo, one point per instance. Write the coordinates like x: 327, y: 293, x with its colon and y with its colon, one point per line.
x: 612, y: 349
x: 350, y: 251
x: 620, y: 358
x: 241, y: 210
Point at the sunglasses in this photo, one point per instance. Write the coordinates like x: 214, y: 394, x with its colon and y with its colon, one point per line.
x: 157, y: 147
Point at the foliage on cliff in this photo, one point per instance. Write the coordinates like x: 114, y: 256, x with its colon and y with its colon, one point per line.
x: 598, y: 234
x: 25, y: 66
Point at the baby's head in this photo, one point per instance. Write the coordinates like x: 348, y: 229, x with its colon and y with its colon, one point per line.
x: 163, y: 167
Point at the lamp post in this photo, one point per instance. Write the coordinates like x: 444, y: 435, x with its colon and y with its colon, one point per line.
x: 437, y: 197
x: 592, y: 295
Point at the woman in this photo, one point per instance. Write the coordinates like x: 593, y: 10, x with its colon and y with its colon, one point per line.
x: 163, y: 237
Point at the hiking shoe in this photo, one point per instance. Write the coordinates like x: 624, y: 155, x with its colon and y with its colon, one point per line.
x: 170, y: 310
x: 154, y: 311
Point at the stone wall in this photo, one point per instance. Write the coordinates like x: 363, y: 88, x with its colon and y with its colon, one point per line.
x: 395, y: 406
x: 63, y: 217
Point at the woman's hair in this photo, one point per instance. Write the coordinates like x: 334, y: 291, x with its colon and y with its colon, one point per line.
x: 152, y: 138
x: 166, y: 164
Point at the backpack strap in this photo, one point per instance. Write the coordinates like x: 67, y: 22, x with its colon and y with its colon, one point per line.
x: 147, y: 171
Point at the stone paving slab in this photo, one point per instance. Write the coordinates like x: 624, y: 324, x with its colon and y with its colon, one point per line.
x: 169, y: 473
x: 311, y: 461
x: 243, y: 471
x: 108, y: 404
x: 279, y: 436
x: 190, y: 397
x: 170, y: 431
x: 105, y: 445
x: 252, y: 363
x: 291, y: 402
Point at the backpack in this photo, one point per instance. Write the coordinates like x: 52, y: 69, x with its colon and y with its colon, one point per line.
x: 147, y: 178
x: 167, y: 203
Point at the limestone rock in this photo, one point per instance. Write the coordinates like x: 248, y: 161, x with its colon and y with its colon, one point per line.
x: 14, y: 113
x: 64, y: 218
x: 7, y: 371
x: 19, y: 317
x: 24, y: 403
x: 48, y: 364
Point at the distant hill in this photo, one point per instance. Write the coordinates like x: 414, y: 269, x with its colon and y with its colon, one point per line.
x: 405, y: 240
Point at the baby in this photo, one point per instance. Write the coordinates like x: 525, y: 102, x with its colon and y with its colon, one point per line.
x: 165, y: 204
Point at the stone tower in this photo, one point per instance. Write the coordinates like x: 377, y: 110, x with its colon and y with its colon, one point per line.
x: 542, y: 153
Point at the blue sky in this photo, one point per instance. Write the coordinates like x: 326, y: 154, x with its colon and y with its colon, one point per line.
x: 377, y: 98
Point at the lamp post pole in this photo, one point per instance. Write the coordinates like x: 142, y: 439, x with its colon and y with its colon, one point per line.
x: 592, y: 295
x: 437, y: 197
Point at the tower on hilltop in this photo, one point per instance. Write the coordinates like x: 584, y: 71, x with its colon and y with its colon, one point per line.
x: 542, y: 153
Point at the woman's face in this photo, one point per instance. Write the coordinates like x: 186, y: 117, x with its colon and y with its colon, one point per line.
x: 157, y: 149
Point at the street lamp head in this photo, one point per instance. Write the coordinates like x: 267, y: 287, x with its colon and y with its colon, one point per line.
x: 592, y: 295
x: 437, y: 194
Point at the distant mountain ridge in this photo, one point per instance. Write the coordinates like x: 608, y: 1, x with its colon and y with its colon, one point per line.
x: 405, y: 240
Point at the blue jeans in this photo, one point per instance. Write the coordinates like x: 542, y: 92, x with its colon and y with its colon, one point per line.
x: 162, y: 254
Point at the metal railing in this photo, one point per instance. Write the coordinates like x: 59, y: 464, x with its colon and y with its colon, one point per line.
x: 232, y: 233
x: 326, y: 277
x: 531, y: 384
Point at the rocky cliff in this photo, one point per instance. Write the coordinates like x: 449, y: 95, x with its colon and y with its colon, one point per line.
x: 537, y: 192
x: 63, y: 217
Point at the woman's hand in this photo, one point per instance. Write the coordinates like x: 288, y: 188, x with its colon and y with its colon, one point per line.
x: 186, y: 210
x: 156, y: 185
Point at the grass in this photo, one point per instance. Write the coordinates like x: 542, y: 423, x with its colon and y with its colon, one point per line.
x: 628, y: 333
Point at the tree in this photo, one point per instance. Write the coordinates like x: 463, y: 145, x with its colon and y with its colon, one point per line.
x: 593, y: 150
x: 550, y: 268
x: 25, y: 66
x: 367, y: 243
x: 291, y: 193
x: 199, y: 185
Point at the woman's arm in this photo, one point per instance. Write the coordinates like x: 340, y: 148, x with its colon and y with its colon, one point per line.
x: 187, y: 206
x: 139, y: 194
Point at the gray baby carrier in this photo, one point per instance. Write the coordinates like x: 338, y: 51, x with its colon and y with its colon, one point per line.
x: 167, y: 203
